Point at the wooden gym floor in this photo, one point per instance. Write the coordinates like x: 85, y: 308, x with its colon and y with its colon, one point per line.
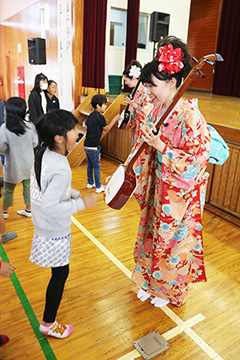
x: 100, y: 299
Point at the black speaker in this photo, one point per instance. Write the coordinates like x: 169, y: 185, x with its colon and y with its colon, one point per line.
x: 37, y: 51
x: 158, y: 26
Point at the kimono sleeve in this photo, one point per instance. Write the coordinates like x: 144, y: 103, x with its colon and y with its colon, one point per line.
x: 191, y: 156
x: 145, y: 106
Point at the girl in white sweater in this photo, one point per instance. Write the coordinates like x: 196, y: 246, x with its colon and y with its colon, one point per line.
x: 53, y: 203
x: 18, y: 138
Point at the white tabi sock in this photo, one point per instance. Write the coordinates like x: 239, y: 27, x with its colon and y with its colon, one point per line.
x: 159, y: 302
x: 143, y: 295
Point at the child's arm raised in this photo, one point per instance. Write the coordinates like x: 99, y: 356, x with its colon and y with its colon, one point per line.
x: 107, y: 128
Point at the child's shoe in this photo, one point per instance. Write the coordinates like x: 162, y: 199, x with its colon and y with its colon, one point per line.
x: 99, y: 190
x: 3, y: 339
x: 25, y: 212
x: 5, y: 215
x: 90, y: 186
x: 57, y: 330
x: 9, y: 236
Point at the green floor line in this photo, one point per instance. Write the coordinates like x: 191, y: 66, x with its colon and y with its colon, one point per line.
x: 46, y: 348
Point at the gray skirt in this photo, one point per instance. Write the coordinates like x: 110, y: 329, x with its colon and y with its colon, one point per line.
x: 53, y: 252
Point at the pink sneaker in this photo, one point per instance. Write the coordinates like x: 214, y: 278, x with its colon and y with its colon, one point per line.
x: 57, y: 330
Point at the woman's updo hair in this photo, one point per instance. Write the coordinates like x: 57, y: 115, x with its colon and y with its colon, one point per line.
x: 152, y: 67
x: 128, y: 68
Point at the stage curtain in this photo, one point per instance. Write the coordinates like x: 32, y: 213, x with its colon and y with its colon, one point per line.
x: 88, y: 90
x: 227, y: 74
x: 132, y: 33
x: 94, y: 30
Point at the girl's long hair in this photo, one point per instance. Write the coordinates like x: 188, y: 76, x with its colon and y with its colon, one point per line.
x: 16, y: 111
x: 38, y: 78
x: 57, y: 122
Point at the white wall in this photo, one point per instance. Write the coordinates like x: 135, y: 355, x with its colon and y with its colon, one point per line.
x: 179, y: 18
x: 115, y: 56
x: 9, y: 8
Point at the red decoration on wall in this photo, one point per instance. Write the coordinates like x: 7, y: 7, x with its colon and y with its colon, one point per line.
x: 21, y: 82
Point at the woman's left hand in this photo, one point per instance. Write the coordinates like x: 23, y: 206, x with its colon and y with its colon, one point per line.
x: 152, y: 138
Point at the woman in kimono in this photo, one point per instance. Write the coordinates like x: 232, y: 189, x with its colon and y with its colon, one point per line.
x: 141, y: 105
x: 142, y: 110
x: 171, y: 185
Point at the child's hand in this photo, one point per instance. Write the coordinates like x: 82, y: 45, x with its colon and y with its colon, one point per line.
x: 75, y: 194
x: 117, y: 118
x: 89, y: 200
x: 6, y: 268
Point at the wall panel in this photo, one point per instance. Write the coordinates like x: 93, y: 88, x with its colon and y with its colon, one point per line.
x: 225, y: 183
x: 202, y: 36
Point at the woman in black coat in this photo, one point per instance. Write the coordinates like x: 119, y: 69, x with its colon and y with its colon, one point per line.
x: 37, y: 101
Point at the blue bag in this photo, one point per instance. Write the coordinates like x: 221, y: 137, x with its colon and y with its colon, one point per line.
x: 219, y: 151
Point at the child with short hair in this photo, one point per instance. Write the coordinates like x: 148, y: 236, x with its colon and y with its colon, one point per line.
x: 96, y: 124
x: 52, y: 100
x: 53, y: 203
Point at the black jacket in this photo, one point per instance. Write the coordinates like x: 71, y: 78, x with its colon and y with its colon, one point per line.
x: 53, y: 103
x: 34, y: 105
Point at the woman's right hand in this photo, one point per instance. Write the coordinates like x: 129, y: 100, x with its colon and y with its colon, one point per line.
x: 131, y: 102
x: 89, y: 200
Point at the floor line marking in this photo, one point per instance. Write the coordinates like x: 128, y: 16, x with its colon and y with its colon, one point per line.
x: 181, y: 328
x: 203, y: 345
x: 168, y: 335
x: 123, y: 268
x: 181, y: 324
x: 42, y: 340
x: 102, y: 248
x: 130, y: 356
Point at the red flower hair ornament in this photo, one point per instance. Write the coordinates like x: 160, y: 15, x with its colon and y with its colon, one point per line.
x: 170, y: 59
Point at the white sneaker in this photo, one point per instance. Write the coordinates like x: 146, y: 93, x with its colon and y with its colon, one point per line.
x: 24, y: 213
x: 99, y: 190
x: 89, y: 186
x: 5, y: 215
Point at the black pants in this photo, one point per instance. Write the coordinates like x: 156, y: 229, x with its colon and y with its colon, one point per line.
x: 54, y: 292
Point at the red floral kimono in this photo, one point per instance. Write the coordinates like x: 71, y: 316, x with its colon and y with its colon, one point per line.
x: 139, y: 116
x: 169, y: 247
